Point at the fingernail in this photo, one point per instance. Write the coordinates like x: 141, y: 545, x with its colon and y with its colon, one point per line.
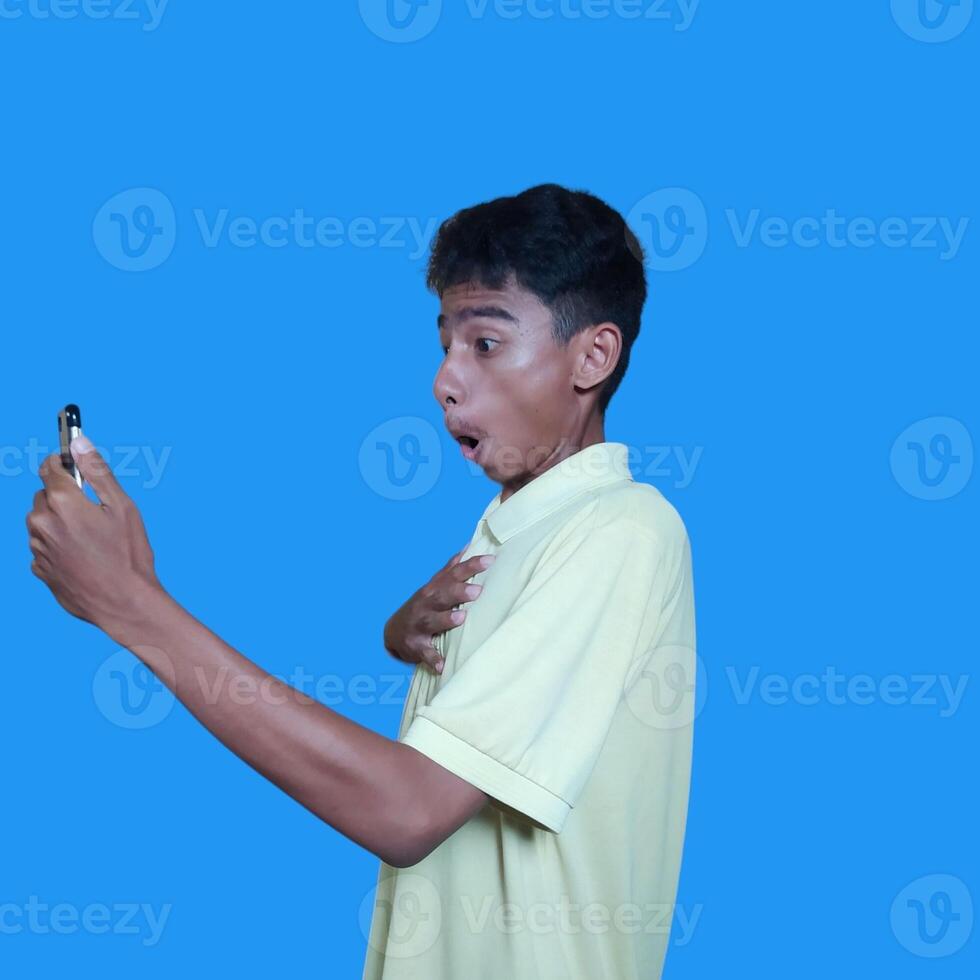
x: 439, y: 665
x: 457, y: 615
x: 488, y: 560
x: 81, y: 444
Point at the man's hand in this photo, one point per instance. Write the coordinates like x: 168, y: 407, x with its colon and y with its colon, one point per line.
x: 384, y: 795
x: 408, y: 635
x: 95, y: 558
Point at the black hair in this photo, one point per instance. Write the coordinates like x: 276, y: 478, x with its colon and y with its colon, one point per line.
x: 569, y: 248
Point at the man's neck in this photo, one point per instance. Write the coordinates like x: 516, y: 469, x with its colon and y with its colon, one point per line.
x: 563, y: 450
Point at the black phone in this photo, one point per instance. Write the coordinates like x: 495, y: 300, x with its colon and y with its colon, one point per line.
x: 69, y: 427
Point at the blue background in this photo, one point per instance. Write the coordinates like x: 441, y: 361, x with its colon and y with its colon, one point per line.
x: 790, y: 371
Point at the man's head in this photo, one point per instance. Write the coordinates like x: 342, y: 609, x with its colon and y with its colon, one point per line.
x: 541, y: 301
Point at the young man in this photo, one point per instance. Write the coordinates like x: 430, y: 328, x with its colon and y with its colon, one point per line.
x: 530, y: 816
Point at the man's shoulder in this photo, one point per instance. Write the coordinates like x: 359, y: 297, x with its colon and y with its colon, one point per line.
x: 640, y: 507
x: 605, y: 524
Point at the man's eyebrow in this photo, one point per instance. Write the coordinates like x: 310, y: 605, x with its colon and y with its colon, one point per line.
x: 486, y: 312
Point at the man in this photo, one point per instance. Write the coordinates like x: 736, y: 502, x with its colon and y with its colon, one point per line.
x: 530, y: 816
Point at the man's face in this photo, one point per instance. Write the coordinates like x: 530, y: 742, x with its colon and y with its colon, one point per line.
x: 504, y: 379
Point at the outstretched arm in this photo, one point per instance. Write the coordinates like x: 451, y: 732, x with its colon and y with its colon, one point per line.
x: 380, y: 793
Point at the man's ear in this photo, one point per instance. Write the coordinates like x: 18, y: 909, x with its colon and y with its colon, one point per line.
x: 598, y: 352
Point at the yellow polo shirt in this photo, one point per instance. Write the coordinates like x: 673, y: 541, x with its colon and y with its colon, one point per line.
x: 568, y: 696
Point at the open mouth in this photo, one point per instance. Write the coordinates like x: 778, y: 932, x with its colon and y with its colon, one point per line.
x: 469, y: 446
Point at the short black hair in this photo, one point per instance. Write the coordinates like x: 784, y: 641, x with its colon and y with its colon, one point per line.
x: 569, y: 248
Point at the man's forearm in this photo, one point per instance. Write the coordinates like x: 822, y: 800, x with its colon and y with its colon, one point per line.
x: 364, y: 785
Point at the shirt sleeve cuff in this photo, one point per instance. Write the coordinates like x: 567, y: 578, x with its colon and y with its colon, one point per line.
x: 486, y: 773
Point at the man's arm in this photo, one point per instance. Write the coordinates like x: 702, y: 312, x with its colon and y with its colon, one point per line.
x: 97, y: 561
x: 385, y: 796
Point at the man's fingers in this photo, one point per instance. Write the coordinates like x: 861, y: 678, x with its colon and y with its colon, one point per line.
x: 442, y: 620
x: 434, y: 611
x: 450, y: 620
x: 39, y: 515
x: 54, y: 476
x: 470, y: 567
x: 446, y: 592
x: 431, y: 655
x: 96, y: 471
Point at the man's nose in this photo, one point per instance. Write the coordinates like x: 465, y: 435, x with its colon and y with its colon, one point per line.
x: 448, y: 384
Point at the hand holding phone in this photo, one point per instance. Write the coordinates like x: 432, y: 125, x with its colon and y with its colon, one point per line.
x: 69, y: 428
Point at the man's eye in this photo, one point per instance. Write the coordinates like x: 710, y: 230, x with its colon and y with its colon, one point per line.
x: 479, y: 340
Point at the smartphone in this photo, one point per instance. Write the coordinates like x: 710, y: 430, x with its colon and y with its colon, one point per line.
x: 69, y: 426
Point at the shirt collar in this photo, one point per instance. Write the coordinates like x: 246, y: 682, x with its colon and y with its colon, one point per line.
x: 589, y: 468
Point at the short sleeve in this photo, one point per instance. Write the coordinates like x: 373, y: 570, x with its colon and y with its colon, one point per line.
x: 525, y: 717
